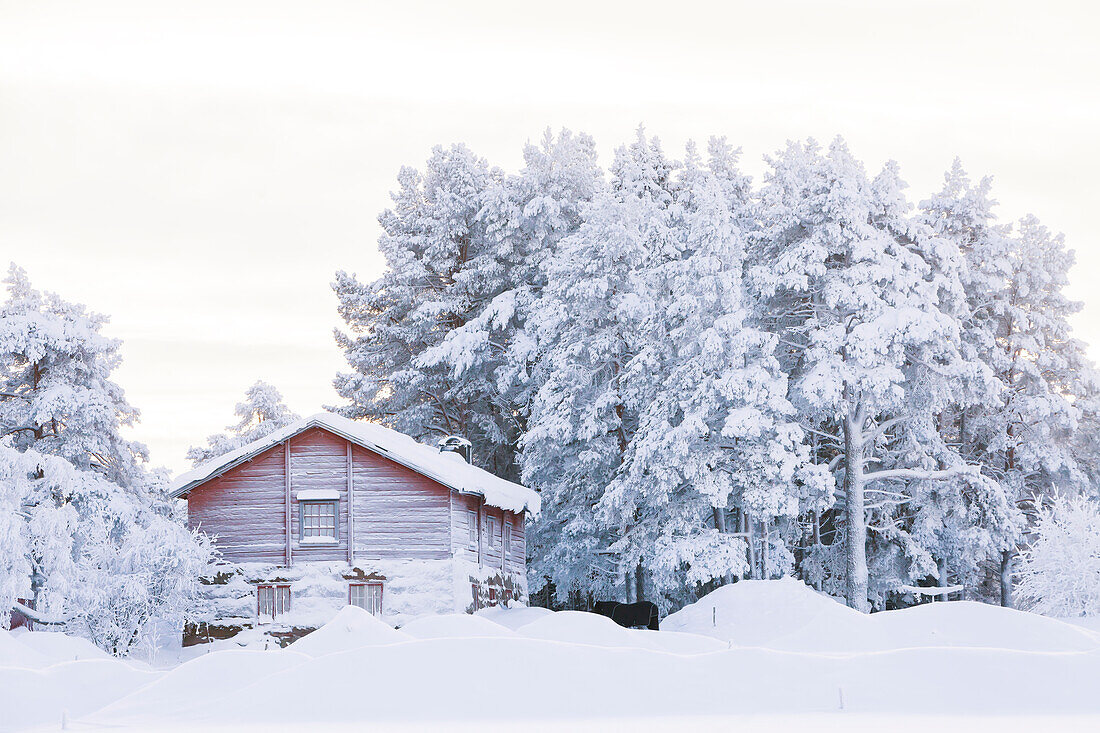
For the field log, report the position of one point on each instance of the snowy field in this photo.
(765, 655)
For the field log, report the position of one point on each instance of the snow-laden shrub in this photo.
(1059, 572)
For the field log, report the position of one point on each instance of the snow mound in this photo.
(787, 615)
(57, 647)
(761, 612)
(580, 627)
(351, 628)
(454, 626)
(40, 697)
(972, 625)
(14, 653)
(194, 683)
(513, 617)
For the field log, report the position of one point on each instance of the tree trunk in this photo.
(941, 567)
(639, 581)
(1006, 578)
(856, 566)
(746, 527)
(629, 577)
(720, 525)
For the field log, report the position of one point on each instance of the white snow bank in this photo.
(208, 677)
(578, 627)
(424, 459)
(946, 659)
(788, 615)
(548, 680)
(56, 647)
(40, 697)
(14, 653)
(513, 617)
(454, 626)
(758, 612)
(351, 628)
(1091, 623)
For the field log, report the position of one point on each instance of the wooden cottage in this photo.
(329, 511)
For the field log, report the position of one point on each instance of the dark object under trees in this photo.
(630, 615)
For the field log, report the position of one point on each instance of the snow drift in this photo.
(754, 648)
(787, 615)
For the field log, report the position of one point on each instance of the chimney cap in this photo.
(457, 444)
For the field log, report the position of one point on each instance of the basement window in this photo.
(317, 522)
(367, 596)
(272, 601)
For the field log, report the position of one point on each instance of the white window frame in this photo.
(315, 535)
(471, 520)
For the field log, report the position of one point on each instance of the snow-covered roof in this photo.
(448, 468)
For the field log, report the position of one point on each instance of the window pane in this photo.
(318, 519)
(367, 596)
(265, 605)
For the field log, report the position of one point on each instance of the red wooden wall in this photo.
(397, 512)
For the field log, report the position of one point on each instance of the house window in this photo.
(317, 521)
(272, 601)
(493, 532)
(367, 596)
(507, 536)
(471, 520)
(492, 596)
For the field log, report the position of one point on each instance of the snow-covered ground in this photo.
(767, 655)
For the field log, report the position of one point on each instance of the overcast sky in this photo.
(199, 170)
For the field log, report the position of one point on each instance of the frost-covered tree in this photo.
(56, 394)
(525, 217)
(262, 413)
(860, 295)
(1059, 572)
(718, 432)
(442, 272)
(98, 561)
(80, 500)
(1017, 322)
(590, 327)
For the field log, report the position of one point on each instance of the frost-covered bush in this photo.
(1059, 572)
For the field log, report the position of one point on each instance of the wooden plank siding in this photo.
(243, 509)
(398, 512)
(318, 460)
(490, 555)
(385, 510)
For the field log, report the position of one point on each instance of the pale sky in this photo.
(199, 170)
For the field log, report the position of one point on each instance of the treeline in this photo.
(709, 378)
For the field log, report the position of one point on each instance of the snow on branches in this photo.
(707, 379)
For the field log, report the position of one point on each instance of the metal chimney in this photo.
(457, 444)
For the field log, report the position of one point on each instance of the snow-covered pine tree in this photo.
(856, 291)
(80, 492)
(442, 272)
(56, 394)
(1018, 324)
(525, 217)
(262, 413)
(718, 432)
(590, 327)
